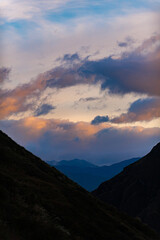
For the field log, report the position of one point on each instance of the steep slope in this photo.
(87, 175)
(38, 202)
(137, 189)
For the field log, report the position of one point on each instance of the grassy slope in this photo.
(38, 202)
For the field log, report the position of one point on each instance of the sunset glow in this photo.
(81, 79)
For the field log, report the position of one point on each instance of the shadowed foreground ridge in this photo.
(38, 202)
(137, 189)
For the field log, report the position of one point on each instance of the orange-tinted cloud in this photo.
(141, 110)
(56, 140)
(37, 126)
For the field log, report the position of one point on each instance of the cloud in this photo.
(137, 71)
(33, 128)
(16, 100)
(20, 99)
(140, 110)
(56, 139)
(122, 44)
(70, 58)
(4, 73)
(127, 42)
(27, 9)
(10, 105)
(62, 77)
(44, 109)
(99, 119)
(88, 99)
(39, 41)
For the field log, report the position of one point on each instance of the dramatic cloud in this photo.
(44, 109)
(137, 72)
(99, 119)
(16, 100)
(4, 73)
(56, 140)
(140, 110)
(62, 77)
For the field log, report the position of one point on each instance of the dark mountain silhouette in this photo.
(37, 202)
(137, 189)
(88, 175)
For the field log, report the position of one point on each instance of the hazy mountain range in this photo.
(88, 175)
(37, 202)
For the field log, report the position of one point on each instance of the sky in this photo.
(81, 79)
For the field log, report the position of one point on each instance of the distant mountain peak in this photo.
(72, 163)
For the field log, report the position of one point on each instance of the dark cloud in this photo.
(70, 58)
(137, 71)
(127, 42)
(140, 110)
(125, 75)
(122, 44)
(65, 76)
(4, 73)
(89, 99)
(99, 119)
(44, 109)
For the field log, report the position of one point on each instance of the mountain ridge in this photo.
(74, 163)
(136, 190)
(86, 174)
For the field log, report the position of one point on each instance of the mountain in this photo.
(75, 163)
(88, 175)
(37, 202)
(136, 190)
